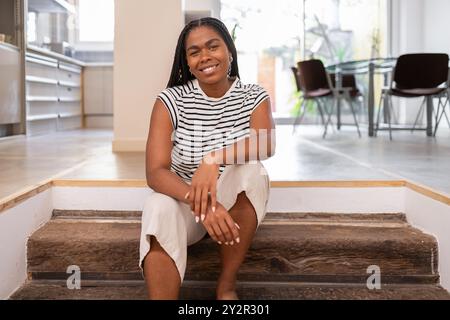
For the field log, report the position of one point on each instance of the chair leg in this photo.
(438, 109)
(377, 126)
(333, 130)
(390, 111)
(328, 120)
(439, 117)
(419, 114)
(319, 106)
(349, 100)
(446, 117)
(444, 111)
(299, 117)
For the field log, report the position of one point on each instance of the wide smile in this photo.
(209, 69)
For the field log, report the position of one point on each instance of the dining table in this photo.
(372, 67)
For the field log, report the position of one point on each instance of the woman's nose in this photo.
(204, 55)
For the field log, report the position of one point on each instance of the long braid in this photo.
(180, 70)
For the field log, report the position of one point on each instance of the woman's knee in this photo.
(253, 168)
(160, 204)
(253, 174)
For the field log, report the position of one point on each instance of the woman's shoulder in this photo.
(250, 88)
(179, 91)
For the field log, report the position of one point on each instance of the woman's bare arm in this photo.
(158, 156)
(259, 146)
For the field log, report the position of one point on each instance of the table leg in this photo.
(338, 80)
(429, 116)
(386, 101)
(371, 99)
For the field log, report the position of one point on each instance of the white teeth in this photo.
(209, 69)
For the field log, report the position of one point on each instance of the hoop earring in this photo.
(229, 67)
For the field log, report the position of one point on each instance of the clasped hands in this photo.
(205, 207)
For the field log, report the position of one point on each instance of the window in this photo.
(343, 30)
(96, 20)
(271, 37)
(31, 26)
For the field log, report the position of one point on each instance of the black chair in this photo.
(446, 98)
(415, 75)
(304, 99)
(317, 85)
(349, 81)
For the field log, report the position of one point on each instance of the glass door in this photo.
(272, 36)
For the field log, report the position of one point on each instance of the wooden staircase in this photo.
(293, 256)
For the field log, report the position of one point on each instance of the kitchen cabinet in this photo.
(53, 94)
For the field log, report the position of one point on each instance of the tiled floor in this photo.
(303, 156)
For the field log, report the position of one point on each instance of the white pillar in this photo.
(435, 22)
(146, 33)
(407, 37)
(407, 26)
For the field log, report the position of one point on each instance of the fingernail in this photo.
(197, 219)
(219, 242)
(226, 243)
(203, 217)
(237, 226)
(238, 240)
(187, 195)
(232, 242)
(192, 212)
(213, 209)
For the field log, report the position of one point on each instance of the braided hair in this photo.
(180, 70)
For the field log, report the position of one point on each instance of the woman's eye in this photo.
(194, 53)
(213, 48)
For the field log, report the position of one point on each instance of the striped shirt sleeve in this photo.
(168, 99)
(260, 95)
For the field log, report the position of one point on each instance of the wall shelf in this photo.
(41, 99)
(41, 80)
(70, 115)
(69, 84)
(49, 116)
(62, 99)
(47, 63)
(66, 68)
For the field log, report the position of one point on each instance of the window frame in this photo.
(89, 45)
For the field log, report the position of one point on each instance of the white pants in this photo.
(173, 225)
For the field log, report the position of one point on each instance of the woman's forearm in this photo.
(167, 182)
(259, 146)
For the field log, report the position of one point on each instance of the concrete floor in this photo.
(303, 156)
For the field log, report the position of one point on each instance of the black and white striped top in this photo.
(203, 124)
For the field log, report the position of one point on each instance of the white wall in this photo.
(418, 26)
(436, 26)
(211, 6)
(16, 226)
(407, 26)
(98, 96)
(146, 33)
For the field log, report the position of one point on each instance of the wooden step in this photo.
(287, 247)
(382, 218)
(195, 290)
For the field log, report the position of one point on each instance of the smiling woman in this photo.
(208, 133)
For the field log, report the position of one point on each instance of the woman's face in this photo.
(207, 55)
